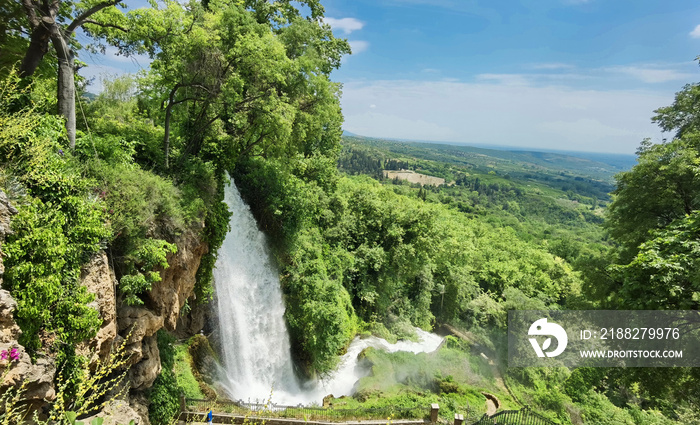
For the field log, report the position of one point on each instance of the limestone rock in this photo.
(178, 280)
(143, 373)
(138, 323)
(139, 403)
(9, 331)
(6, 213)
(204, 359)
(39, 376)
(100, 280)
(195, 320)
(118, 412)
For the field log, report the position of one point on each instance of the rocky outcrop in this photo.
(99, 280)
(119, 412)
(137, 323)
(162, 309)
(177, 281)
(197, 319)
(9, 331)
(38, 376)
(139, 326)
(6, 213)
(143, 373)
(133, 327)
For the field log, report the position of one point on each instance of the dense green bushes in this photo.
(355, 253)
(165, 393)
(57, 228)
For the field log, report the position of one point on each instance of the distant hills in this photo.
(588, 163)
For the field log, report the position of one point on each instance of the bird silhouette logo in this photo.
(542, 328)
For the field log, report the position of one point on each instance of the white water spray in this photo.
(256, 350)
(255, 343)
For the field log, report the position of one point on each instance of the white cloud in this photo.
(533, 79)
(652, 75)
(695, 33)
(551, 66)
(493, 112)
(358, 46)
(506, 79)
(347, 25)
(95, 74)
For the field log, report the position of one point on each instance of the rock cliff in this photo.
(136, 325)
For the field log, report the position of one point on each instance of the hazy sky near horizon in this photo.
(580, 75)
(583, 75)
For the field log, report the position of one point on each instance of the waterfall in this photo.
(255, 342)
(254, 337)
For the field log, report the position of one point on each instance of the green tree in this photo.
(684, 115)
(54, 24)
(664, 273)
(238, 80)
(662, 187)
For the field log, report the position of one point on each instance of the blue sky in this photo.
(559, 74)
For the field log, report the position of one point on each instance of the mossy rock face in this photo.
(204, 359)
(363, 354)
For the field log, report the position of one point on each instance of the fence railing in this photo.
(524, 416)
(328, 414)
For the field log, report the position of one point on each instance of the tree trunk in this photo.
(66, 84)
(168, 115)
(38, 46)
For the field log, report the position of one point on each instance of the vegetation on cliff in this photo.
(145, 164)
(244, 87)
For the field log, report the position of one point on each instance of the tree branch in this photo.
(103, 25)
(85, 15)
(28, 5)
(252, 145)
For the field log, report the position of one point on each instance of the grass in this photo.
(183, 373)
(452, 377)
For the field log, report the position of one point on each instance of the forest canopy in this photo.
(243, 88)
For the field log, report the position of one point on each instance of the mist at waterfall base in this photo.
(255, 343)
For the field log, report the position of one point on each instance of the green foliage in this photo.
(150, 254)
(661, 188)
(182, 368)
(165, 393)
(654, 221)
(215, 229)
(682, 116)
(663, 273)
(57, 228)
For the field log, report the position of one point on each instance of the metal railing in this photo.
(308, 413)
(524, 416)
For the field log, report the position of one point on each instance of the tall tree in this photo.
(236, 80)
(53, 23)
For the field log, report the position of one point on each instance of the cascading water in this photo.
(254, 338)
(255, 342)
